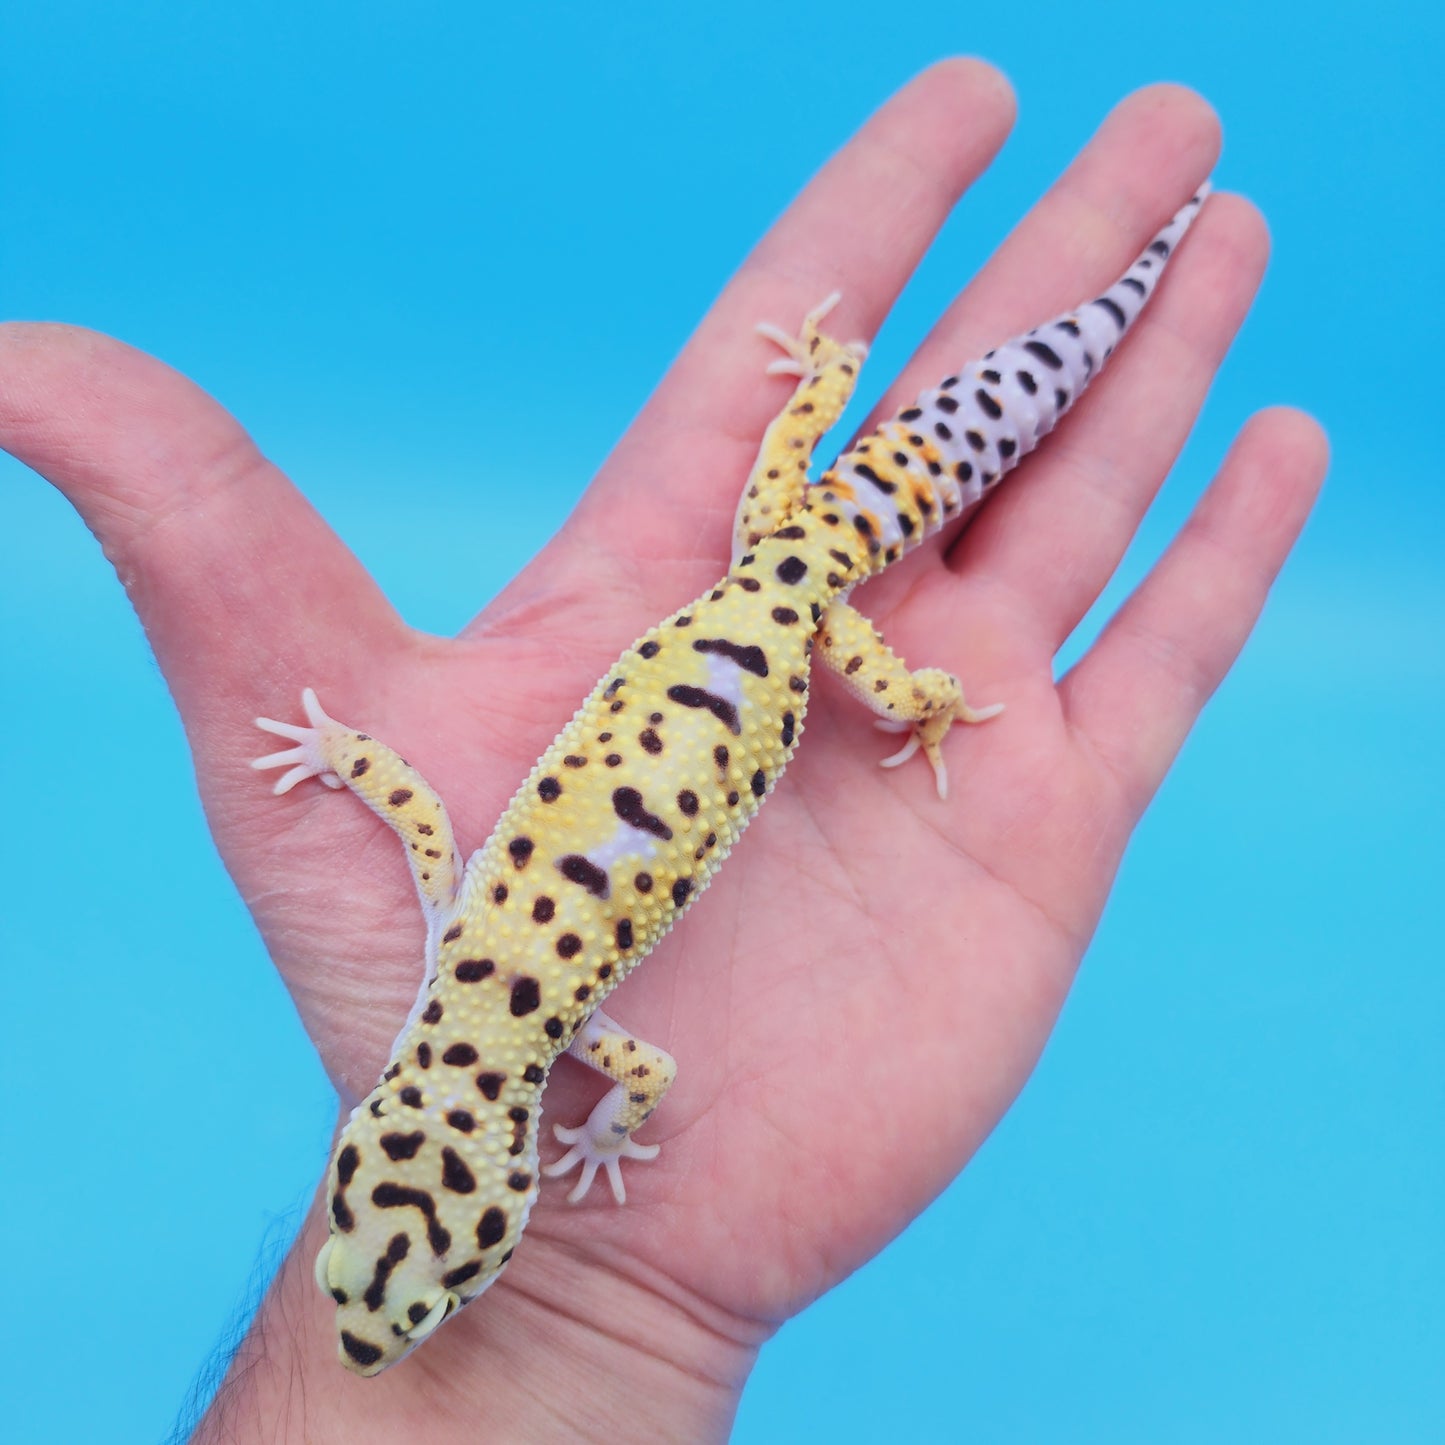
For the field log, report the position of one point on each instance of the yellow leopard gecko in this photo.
(627, 816)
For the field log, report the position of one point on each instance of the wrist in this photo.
(563, 1346)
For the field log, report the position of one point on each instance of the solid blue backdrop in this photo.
(371, 233)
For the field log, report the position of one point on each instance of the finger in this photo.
(1146, 158)
(1053, 541)
(237, 581)
(1136, 693)
(660, 510)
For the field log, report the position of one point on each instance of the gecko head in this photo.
(388, 1298)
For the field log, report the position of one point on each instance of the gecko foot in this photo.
(928, 733)
(307, 758)
(805, 353)
(592, 1156)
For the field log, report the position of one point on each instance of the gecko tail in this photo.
(938, 458)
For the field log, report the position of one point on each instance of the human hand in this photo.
(871, 979)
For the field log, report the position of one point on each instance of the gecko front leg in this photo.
(642, 1073)
(341, 757)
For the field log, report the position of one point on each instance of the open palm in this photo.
(868, 984)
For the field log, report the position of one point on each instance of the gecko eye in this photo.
(323, 1259)
(433, 1317)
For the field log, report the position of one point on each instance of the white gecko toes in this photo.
(306, 759)
(592, 1157)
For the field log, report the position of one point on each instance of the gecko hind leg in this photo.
(827, 371)
(925, 703)
(642, 1074)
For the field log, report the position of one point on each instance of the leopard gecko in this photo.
(629, 813)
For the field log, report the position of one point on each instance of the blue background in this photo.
(1217, 1209)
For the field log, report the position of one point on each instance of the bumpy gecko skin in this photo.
(628, 815)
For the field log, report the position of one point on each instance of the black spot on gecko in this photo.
(680, 890)
(360, 766)
(612, 759)
(568, 946)
(432, 1013)
(462, 1273)
(553, 1028)
(791, 570)
(643, 883)
(687, 802)
(750, 658)
(400, 796)
(724, 711)
(649, 649)
(624, 934)
(785, 616)
(396, 1251)
(583, 871)
(499, 893)
(1045, 353)
(519, 1181)
(362, 1351)
(534, 1073)
(474, 970)
(461, 1121)
(526, 996)
(491, 1085)
(789, 723)
(423, 1055)
(549, 790)
(341, 1215)
(461, 1055)
(455, 1174)
(521, 851)
(574, 760)
(1007, 446)
(411, 1097)
(988, 405)
(758, 783)
(543, 909)
(650, 741)
(1114, 310)
(491, 1227)
(398, 1196)
(452, 934)
(797, 684)
(869, 475)
(346, 1164)
(628, 805)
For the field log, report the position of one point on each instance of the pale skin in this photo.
(865, 989)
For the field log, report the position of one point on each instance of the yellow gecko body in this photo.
(629, 813)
